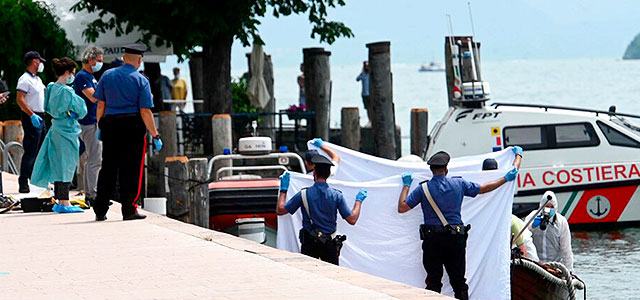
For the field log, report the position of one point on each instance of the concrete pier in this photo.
(52, 256)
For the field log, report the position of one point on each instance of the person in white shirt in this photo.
(30, 99)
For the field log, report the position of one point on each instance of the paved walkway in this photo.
(50, 256)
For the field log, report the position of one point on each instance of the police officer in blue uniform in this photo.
(124, 118)
(320, 206)
(445, 245)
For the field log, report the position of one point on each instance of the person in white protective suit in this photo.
(550, 231)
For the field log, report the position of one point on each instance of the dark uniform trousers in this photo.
(448, 250)
(33, 138)
(328, 251)
(123, 149)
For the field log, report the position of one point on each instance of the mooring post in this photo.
(198, 192)
(381, 87)
(167, 130)
(350, 128)
(222, 138)
(419, 130)
(13, 133)
(317, 86)
(177, 182)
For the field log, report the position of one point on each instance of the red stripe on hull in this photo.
(618, 199)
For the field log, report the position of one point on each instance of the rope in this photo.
(567, 277)
(160, 174)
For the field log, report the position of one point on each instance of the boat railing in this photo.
(232, 157)
(547, 107)
(249, 168)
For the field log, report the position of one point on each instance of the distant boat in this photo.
(432, 67)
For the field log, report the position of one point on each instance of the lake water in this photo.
(608, 261)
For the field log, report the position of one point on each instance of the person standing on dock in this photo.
(321, 204)
(302, 99)
(364, 79)
(124, 118)
(443, 233)
(30, 99)
(85, 86)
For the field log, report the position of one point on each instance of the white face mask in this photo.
(71, 78)
(97, 67)
(40, 67)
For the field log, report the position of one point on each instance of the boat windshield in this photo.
(634, 126)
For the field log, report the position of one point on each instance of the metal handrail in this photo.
(8, 160)
(240, 156)
(547, 107)
(249, 168)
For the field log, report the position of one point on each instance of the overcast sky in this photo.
(508, 29)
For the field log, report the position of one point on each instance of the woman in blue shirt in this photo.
(58, 157)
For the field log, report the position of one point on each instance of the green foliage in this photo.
(633, 50)
(186, 24)
(28, 25)
(241, 103)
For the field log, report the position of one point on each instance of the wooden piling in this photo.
(198, 192)
(381, 95)
(13, 133)
(167, 129)
(317, 86)
(350, 128)
(222, 138)
(178, 188)
(419, 130)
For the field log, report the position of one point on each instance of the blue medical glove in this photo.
(511, 175)
(318, 142)
(362, 194)
(407, 178)
(73, 115)
(98, 134)
(284, 181)
(36, 121)
(157, 143)
(517, 150)
(536, 221)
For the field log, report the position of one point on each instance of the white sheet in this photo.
(387, 244)
(357, 166)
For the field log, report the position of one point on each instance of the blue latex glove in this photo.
(73, 115)
(98, 134)
(36, 121)
(284, 181)
(517, 150)
(318, 142)
(157, 144)
(407, 178)
(536, 221)
(511, 175)
(362, 194)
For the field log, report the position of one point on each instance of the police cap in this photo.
(309, 154)
(440, 159)
(137, 49)
(321, 160)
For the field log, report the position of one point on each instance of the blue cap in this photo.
(226, 151)
(284, 149)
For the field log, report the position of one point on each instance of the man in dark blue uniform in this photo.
(443, 233)
(124, 117)
(321, 204)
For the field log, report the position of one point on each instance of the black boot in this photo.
(134, 216)
(23, 184)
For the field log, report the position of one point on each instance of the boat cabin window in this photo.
(617, 138)
(551, 136)
(527, 137)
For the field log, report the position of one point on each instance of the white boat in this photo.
(589, 158)
(432, 67)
